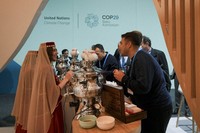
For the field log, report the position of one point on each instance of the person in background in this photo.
(23, 94)
(146, 79)
(123, 61)
(159, 56)
(45, 113)
(178, 96)
(63, 62)
(106, 62)
(124, 64)
(65, 54)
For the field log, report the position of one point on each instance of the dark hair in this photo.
(134, 36)
(145, 40)
(64, 50)
(98, 46)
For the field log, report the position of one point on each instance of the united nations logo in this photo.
(92, 20)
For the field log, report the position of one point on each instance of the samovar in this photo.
(87, 84)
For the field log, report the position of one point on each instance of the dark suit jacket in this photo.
(161, 59)
(117, 56)
(108, 65)
(146, 79)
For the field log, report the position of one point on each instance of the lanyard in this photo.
(122, 61)
(130, 74)
(104, 61)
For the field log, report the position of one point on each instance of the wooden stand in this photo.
(113, 101)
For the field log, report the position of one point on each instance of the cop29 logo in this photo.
(92, 20)
(110, 17)
(106, 20)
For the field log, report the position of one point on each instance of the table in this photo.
(120, 127)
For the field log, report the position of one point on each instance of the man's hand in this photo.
(118, 74)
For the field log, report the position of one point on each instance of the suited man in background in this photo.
(159, 56)
(123, 61)
(124, 65)
(107, 62)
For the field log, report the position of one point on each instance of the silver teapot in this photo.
(87, 87)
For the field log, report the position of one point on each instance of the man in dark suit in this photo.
(146, 80)
(65, 54)
(124, 65)
(106, 62)
(159, 56)
(123, 61)
(63, 63)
